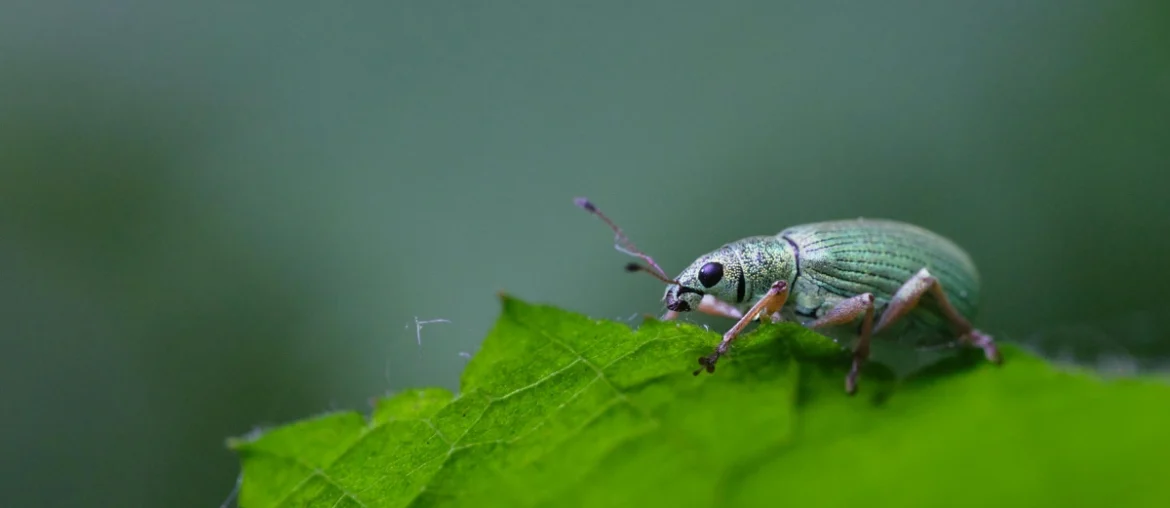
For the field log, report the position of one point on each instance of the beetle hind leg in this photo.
(908, 297)
(983, 341)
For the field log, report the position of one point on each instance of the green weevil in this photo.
(828, 274)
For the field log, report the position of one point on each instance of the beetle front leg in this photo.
(715, 307)
(771, 303)
(844, 312)
(911, 292)
(712, 306)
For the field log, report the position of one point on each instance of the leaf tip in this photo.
(508, 301)
(237, 443)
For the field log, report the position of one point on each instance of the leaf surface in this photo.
(561, 410)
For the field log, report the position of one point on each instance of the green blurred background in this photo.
(217, 216)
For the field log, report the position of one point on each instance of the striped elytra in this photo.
(854, 256)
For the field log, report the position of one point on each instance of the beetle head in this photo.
(718, 274)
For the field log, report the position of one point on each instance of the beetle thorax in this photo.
(765, 260)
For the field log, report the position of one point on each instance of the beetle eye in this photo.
(710, 274)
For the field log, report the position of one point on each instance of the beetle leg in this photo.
(911, 292)
(710, 305)
(771, 303)
(844, 312)
(715, 307)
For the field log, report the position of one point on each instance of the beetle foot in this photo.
(708, 363)
(987, 344)
(851, 377)
(851, 383)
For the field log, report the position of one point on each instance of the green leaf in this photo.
(561, 410)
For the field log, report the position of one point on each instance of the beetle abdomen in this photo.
(850, 257)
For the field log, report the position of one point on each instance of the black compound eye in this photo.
(710, 274)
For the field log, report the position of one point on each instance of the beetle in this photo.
(826, 274)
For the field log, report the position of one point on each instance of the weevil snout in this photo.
(678, 298)
(678, 305)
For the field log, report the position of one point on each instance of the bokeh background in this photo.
(217, 216)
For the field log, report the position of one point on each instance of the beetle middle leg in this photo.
(771, 303)
(844, 312)
(911, 292)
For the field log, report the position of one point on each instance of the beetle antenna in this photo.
(623, 244)
(635, 267)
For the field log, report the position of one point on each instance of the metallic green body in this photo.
(826, 262)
